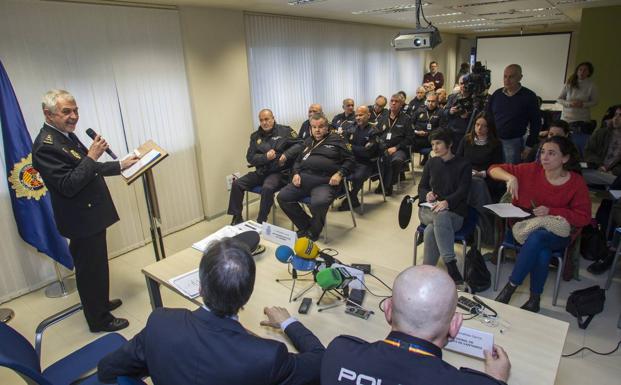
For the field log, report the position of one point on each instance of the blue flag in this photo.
(31, 203)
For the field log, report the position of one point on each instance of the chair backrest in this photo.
(17, 353)
(471, 221)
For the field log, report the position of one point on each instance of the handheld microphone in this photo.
(92, 134)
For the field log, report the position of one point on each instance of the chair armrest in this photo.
(51, 320)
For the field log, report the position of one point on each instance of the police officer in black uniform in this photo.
(345, 118)
(305, 130)
(378, 110)
(422, 314)
(395, 136)
(317, 173)
(273, 148)
(83, 207)
(362, 137)
(425, 120)
(418, 100)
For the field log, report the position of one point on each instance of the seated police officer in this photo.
(422, 316)
(346, 117)
(425, 120)
(395, 135)
(418, 100)
(362, 138)
(317, 173)
(305, 131)
(378, 109)
(209, 344)
(273, 148)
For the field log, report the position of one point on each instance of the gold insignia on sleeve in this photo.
(75, 154)
(348, 146)
(294, 134)
(48, 139)
(259, 141)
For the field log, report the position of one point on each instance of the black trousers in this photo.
(391, 167)
(321, 194)
(90, 257)
(361, 173)
(270, 184)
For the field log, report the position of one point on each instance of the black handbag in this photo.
(477, 276)
(586, 303)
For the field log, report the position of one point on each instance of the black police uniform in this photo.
(415, 104)
(375, 116)
(342, 120)
(394, 133)
(454, 122)
(399, 359)
(305, 130)
(83, 209)
(316, 164)
(365, 147)
(424, 121)
(268, 174)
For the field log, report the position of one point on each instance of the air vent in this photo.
(394, 9)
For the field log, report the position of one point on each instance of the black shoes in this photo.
(506, 293)
(237, 219)
(114, 304)
(345, 206)
(453, 271)
(112, 326)
(533, 303)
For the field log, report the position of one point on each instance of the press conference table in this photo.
(533, 342)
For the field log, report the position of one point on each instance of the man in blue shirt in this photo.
(515, 109)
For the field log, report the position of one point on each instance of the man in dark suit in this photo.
(209, 345)
(82, 204)
(422, 314)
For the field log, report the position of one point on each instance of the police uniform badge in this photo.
(294, 134)
(259, 141)
(48, 139)
(26, 181)
(75, 154)
(421, 116)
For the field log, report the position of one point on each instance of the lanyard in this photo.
(391, 125)
(412, 348)
(314, 147)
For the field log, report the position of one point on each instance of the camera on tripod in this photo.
(476, 85)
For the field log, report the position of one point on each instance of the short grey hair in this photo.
(399, 97)
(322, 117)
(51, 98)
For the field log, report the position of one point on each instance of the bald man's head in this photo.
(363, 115)
(424, 299)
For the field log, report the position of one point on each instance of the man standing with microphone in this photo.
(83, 207)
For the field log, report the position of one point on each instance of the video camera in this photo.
(476, 85)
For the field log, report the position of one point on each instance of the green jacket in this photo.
(597, 147)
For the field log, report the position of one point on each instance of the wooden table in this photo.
(534, 342)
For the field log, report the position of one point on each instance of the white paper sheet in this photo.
(507, 210)
(471, 342)
(187, 283)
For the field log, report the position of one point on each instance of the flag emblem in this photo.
(26, 181)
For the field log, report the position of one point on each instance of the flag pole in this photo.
(62, 287)
(6, 315)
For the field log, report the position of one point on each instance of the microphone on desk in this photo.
(92, 134)
(306, 248)
(285, 254)
(333, 278)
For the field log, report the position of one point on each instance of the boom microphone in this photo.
(92, 134)
(405, 210)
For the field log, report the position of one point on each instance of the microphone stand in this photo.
(294, 278)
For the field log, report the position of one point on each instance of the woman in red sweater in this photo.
(549, 188)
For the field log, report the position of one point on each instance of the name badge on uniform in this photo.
(388, 136)
(75, 154)
(428, 126)
(305, 156)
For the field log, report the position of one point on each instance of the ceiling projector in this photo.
(420, 38)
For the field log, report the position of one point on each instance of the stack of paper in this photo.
(187, 283)
(143, 162)
(507, 210)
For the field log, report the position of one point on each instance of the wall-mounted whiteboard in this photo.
(543, 59)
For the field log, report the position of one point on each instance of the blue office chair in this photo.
(258, 190)
(559, 255)
(467, 229)
(17, 354)
(343, 194)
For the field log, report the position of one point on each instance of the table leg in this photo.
(154, 293)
